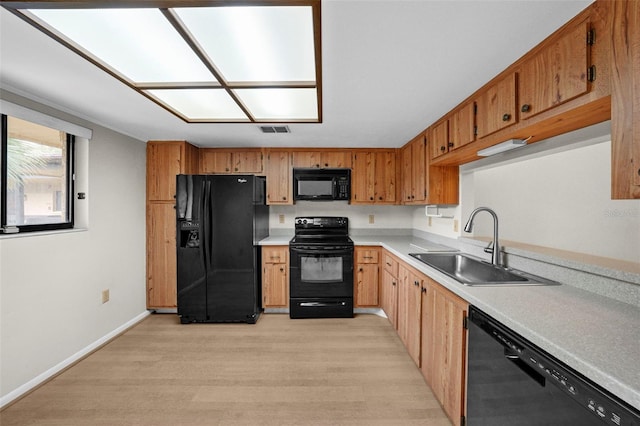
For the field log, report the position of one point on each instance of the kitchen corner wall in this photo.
(51, 285)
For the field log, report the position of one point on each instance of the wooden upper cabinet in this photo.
(244, 161)
(414, 171)
(556, 74)
(165, 160)
(496, 106)
(625, 108)
(462, 126)
(215, 161)
(439, 138)
(278, 172)
(322, 159)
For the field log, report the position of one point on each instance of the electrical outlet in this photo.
(371, 218)
(430, 221)
(105, 296)
(455, 225)
(281, 218)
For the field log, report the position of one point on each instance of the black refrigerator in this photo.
(220, 220)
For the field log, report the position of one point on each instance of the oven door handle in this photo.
(316, 252)
(321, 304)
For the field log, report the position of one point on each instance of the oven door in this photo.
(320, 272)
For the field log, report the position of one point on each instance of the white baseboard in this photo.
(41, 378)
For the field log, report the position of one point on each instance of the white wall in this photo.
(51, 285)
(384, 217)
(560, 200)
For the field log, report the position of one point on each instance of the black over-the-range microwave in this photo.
(321, 184)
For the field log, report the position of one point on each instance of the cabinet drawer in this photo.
(390, 264)
(367, 256)
(275, 254)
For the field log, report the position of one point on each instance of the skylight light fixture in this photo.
(502, 147)
(209, 62)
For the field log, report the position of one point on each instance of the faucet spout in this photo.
(495, 254)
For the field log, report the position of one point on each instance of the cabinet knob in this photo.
(393, 283)
(284, 198)
(326, 164)
(450, 144)
(424, 290)
(371, 198)
(416, 283)
(281, 269)
(525, 108)
(506, 117)
(443, 148)
(380, 198)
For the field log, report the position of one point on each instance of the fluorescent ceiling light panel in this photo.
(272, 43)
(208, 62)
(502, 147)
(139, 44)
(201, 104)
(280, 104)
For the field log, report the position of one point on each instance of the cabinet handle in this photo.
(416, 283)
(424, 290)
(525, 108)
(388, 264)
(367, 257)
(506, 117)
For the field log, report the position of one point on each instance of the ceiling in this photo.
(390, 68)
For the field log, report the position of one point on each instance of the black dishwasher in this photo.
(510, 381)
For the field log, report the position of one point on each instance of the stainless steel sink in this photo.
(471, 271)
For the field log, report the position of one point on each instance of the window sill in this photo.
(41, 233)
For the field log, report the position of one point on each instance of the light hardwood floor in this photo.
(276, 372)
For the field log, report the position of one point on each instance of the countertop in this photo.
(597, 336)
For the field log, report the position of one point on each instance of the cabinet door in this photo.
(247, 162)
(497, 106)
(275, 285)
(363, 178)
(385, 190)
(556, 74)
(444, 347)
(407, 174)
(164, 162)
(161, 255)
(307, 159)
(278, 172)
(275, 276)
(336, 159)
(440, 138)
(215, 161)
(462, 126)
(367, 283)
(419, 170)
(409, 309)
(389, 297)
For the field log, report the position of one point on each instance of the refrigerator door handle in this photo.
(206, 219)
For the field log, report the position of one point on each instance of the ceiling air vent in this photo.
(275, 129)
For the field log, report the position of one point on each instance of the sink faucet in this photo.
(495, 252)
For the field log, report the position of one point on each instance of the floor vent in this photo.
(275, 129)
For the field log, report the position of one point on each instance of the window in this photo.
(37, 177)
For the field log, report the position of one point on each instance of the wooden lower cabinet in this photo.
(275, 276)
(161, 255)
(409, 310)
(366, 287)
(389, 288)
(443, 347)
